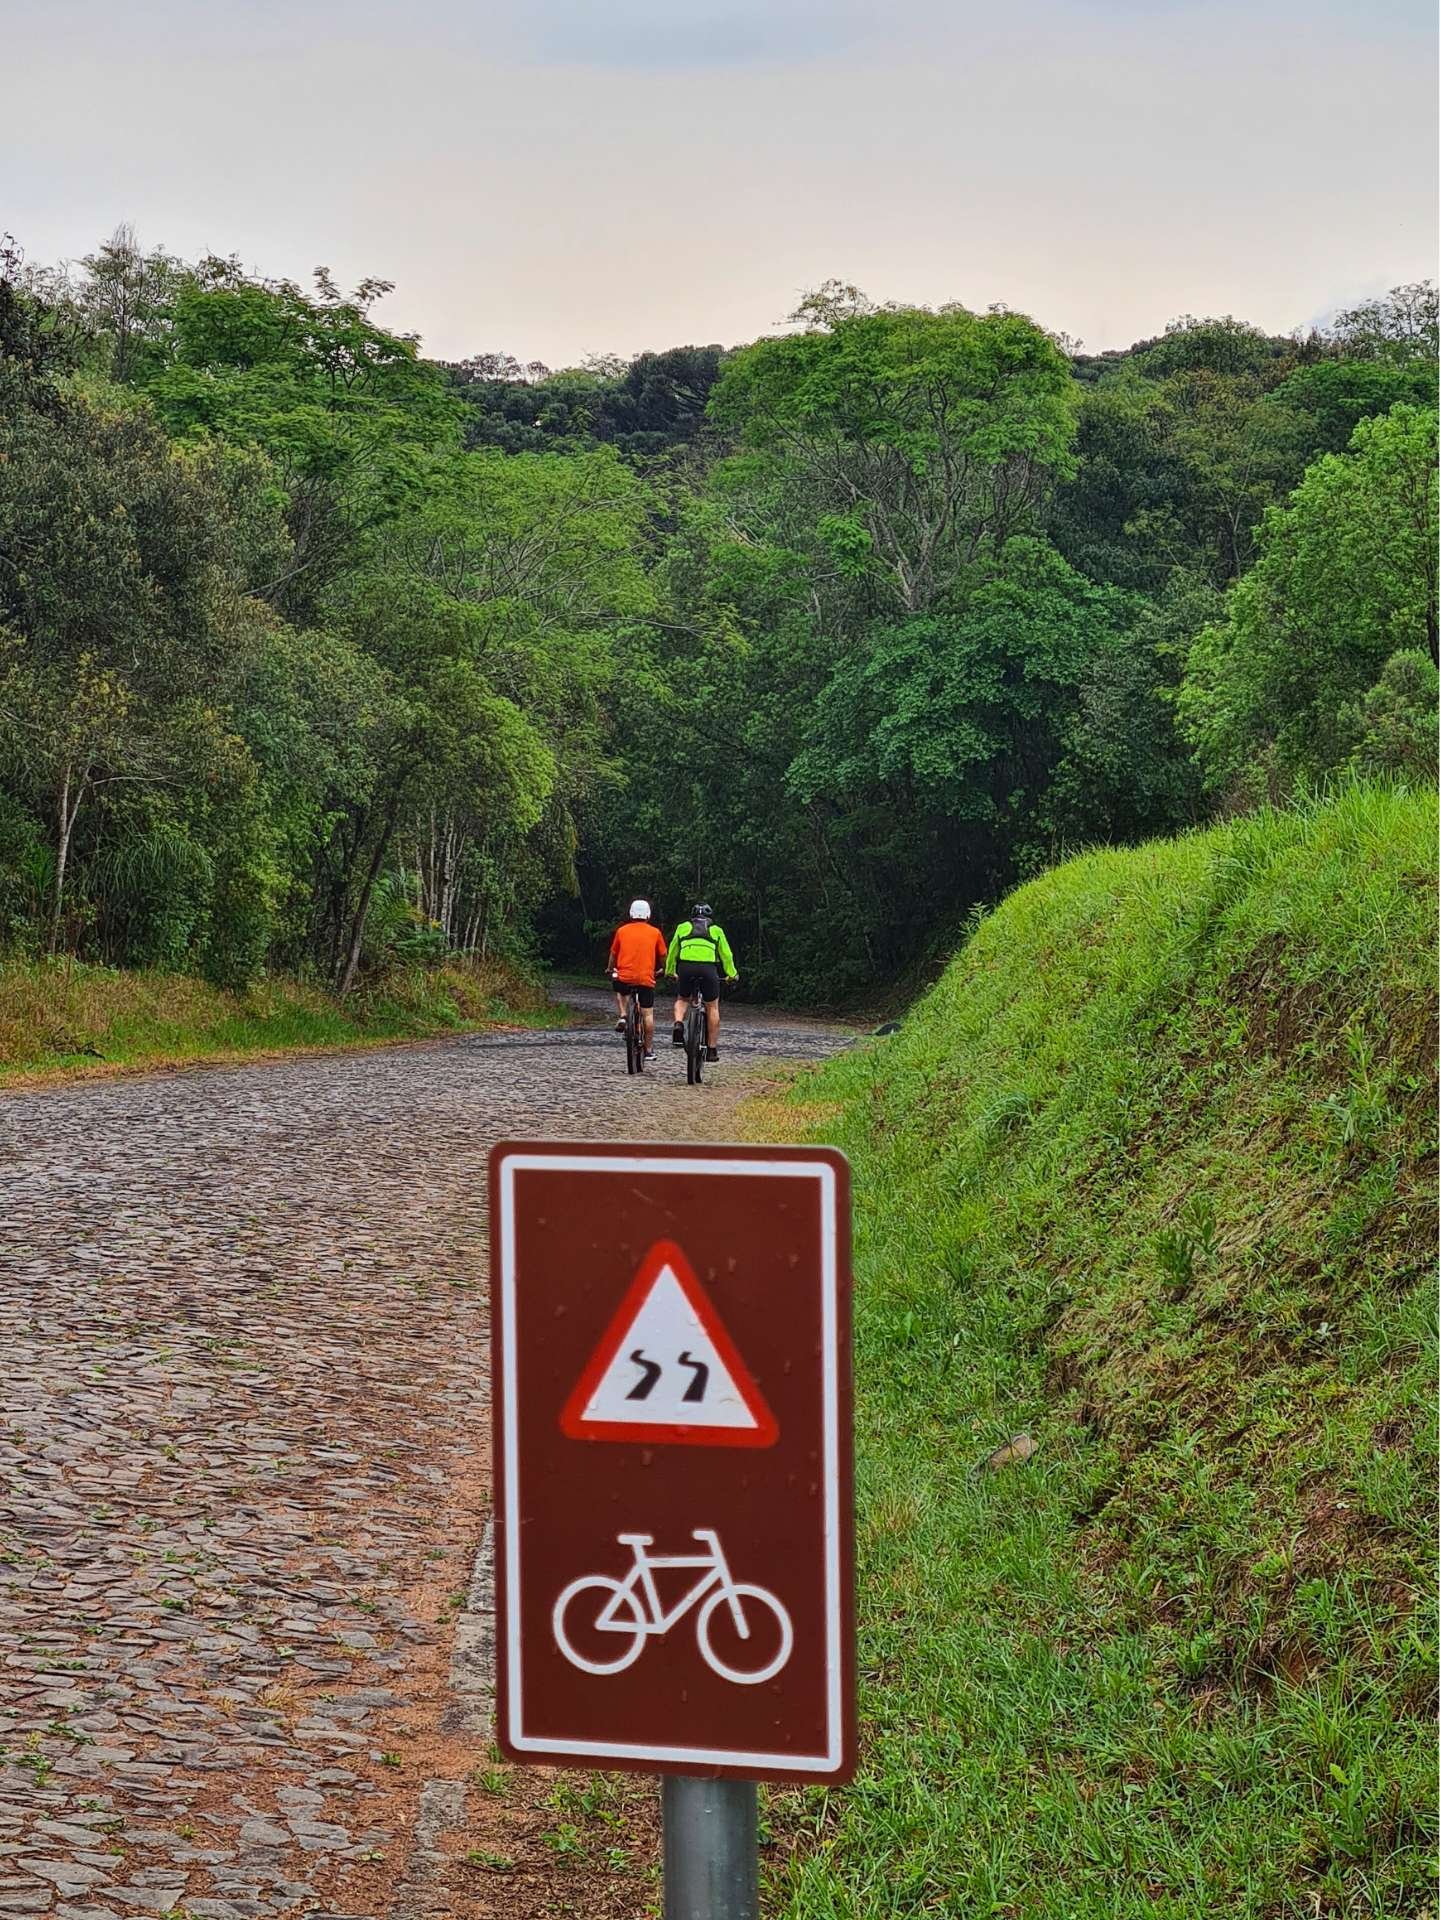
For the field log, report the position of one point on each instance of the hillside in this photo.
(1149, 1178)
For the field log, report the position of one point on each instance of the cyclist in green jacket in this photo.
(698, 951)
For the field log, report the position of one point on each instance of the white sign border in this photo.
(523, 1160)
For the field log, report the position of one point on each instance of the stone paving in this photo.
(243, 1464)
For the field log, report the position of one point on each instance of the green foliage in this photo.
(122, 611)
(645, 410)
(957, 707)
(26, 874)
(1125, 772)
(1402, 326)
(1219, 347)
(1182, 445)
(867, 613)
(156, 884)
(1147, 1178)
(265, 628)
(933, 434)
(1394, 725)
(345, 411)
(850, 628)
(1185, 441)
(876, 634)
(1346, 578)
(1332, 397)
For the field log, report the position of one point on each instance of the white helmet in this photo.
(639, 909)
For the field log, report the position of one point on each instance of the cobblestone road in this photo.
(243, 1473)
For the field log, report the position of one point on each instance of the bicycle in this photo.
(633, 1609)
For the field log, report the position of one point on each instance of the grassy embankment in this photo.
(62, 1020)
(1149, 1176)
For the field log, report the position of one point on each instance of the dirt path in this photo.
(243, 1487)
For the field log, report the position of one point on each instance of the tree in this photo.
(315, 655)
(1226, 346)
(920, 440)
(126, 299)
(1345, 579)
(1181, 449)
(1401, 326)
(1126, 772)
(36, 340)
(345, 411)
(489, 612)
(644, 409)
(1330, 398)
(827, 305)
(931, 752)
(67, 726)
(116, 559)
(441, 729)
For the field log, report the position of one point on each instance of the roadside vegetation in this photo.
(68, 1020)
(1146, 1368)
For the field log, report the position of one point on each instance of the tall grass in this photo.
(1148, 1176)
(60, 1018)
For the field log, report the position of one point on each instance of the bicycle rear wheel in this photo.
(634, 1036)
(695, 1045)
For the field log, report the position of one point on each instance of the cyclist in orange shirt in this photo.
(635, 953)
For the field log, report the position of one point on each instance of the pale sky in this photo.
(557, 177)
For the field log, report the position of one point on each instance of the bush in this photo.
(1395, 724)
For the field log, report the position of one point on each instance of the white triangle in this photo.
(666, 1326)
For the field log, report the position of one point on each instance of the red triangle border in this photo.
(765, 1432)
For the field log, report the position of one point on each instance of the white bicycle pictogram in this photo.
(631, 1607)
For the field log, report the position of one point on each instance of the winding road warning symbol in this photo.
(666, 1371)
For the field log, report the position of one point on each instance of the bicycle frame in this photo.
(642, 1575)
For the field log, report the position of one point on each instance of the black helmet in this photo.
(702, 912)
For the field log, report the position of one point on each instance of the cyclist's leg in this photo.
(678, 1036)
(712, 1006)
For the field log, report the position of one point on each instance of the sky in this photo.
(554, 178)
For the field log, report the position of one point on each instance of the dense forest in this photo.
(317, 656)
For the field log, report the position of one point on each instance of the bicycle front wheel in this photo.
(579, 1634)
(768, 1635)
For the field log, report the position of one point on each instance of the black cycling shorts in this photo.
(645, 995)
(690, 974)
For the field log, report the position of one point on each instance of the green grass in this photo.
(62, 1019)
(1149, 1176)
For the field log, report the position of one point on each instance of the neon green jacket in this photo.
(685, 944)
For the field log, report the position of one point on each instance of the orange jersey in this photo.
(636, 951)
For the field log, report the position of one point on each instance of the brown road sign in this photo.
(672, 1455)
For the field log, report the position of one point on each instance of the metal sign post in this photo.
(711, 1852)
(673, 1484)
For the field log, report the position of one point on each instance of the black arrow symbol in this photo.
(696, 1388)
(650, 1371)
